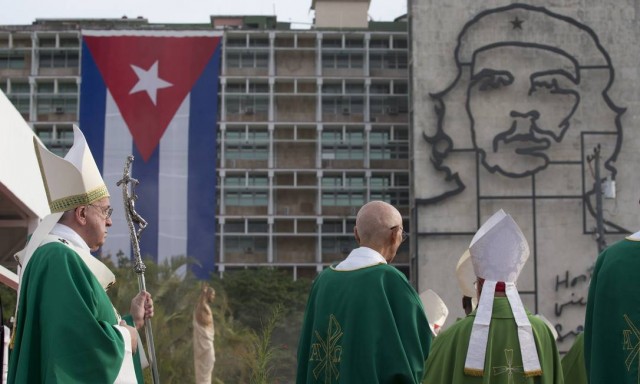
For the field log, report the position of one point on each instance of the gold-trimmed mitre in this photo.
(71, 181)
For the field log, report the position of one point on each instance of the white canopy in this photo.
(23, 201)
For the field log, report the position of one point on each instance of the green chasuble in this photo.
(64, 331)
(573, 363)
(612, 321)
(363, 326)
(503, 361)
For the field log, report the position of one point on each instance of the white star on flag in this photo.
(149, 81)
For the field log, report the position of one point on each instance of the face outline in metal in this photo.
(537, 94)
(571, 77)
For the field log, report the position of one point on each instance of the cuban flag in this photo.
(154, 95)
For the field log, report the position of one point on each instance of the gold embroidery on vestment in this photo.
(327, 352)
(509, 369)
(632, 348)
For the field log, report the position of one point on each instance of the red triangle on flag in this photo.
(123, 62)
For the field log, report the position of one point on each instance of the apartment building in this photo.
(312, 124)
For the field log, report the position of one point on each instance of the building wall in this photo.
(341, 14)
(308, 134)
(544, 192)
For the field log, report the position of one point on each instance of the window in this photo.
(354, 42)
(391, 187)
(352, 88)
(388, 60)
(45, 87)
(332, 42)
(246, 244)
(355, 182)
(234, 226)
(397, 198)
(332, 226)
(258, 226)
(236, 42)
(389, 143)
(400, 43)
(18, 87)
(59, 59)
(47, 42)
(341, 244)
(236, 88)
(388, 105)
(342, 144)
(343, 198)
(246, 152)
(12, 61)
(343, 105)
(400, 88)
(258, 181)
(69, 42)
(246, 104)
(241, 181)
(246, 198)
(329, 88)
(258, 87)
(338, 182)
(259, 42)
(380, 181)
(58, 104)
(247, 59)
(21, 102)
(68, 87)
(329, 181)
(380, 43)
(380, 88)
(334, 60)
(247, 144)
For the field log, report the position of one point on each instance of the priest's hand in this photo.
(141, 308)
(134, 335)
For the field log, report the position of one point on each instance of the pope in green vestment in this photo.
(364, 325)
(573, 363)
(612, 321)
(503, 361)
(65, 328)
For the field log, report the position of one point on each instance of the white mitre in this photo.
(435, 309)
(498, 251)
(466, 276)
(69, 182)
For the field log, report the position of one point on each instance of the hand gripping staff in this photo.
(129, 197)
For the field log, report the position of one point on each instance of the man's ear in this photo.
(80, 214)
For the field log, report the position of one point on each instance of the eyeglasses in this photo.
(106, 211)
(405, 235)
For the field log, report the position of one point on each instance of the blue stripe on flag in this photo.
(93, 96)
(201, 225)
(147, 173)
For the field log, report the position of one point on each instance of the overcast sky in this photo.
(14, 12)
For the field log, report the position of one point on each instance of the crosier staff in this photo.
(129, 197)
